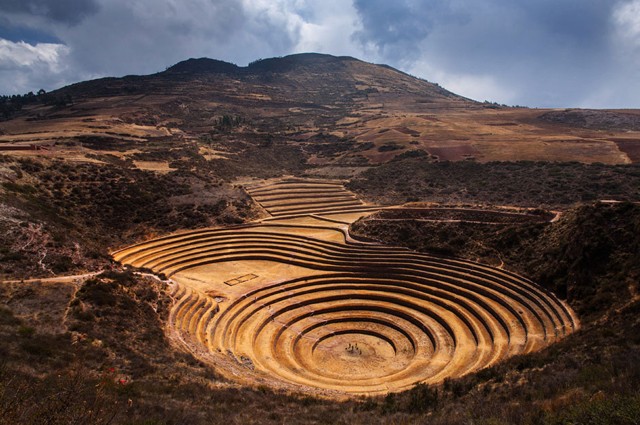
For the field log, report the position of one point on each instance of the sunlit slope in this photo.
(297, 302)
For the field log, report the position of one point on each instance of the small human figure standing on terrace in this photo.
(353, 349)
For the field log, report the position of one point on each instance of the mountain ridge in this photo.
(375, 111)
(277, 63)
(308, 66)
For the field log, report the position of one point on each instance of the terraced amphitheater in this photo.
(295, 302)
(295, 197)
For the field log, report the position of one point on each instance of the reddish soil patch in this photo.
(630, 147)
(453, 153)
(376, 157)
(408, 131)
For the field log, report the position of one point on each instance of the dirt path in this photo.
(55, 279)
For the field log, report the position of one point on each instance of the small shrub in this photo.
(26, 331)
(421, 398)
(98, 293)
(7, 317)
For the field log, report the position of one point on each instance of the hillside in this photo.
(338, 113)
(101, 343)
(314, 239)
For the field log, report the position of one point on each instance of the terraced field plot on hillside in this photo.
(295, 302)
(294, 197)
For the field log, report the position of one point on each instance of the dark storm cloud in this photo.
(148, 35)
(581, 20)
(399, 24)
(405, 23)
(120, 37)
(529, 52)
(558, 47)
(64, 11)
(12, 32)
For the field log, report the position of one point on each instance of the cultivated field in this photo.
(293, 301)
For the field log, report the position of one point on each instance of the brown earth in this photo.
(300, 99)
(128, 160)
(295, 303)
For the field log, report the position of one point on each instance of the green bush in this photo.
(26, 331)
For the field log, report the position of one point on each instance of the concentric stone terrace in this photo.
(300, 197)
(297, 303)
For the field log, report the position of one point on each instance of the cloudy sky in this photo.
(542, 53)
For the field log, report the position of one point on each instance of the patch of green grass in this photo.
(600, 410)
(26, 331)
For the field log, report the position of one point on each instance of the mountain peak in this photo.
(277, 64)
(203, 65)
(286, 63)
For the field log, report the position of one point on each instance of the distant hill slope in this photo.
(336, 111)
(294, 76)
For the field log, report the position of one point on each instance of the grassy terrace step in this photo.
(273, 349)
(292, 195)
(306, 201)
(177, 291)
(177, 310)
(294, 181)
(213, 240)
(324, 210)
(297, 180)
(190, 319)
(314, 207)
(389, 257)
(125, 255)
(294, 186)
(306, 257)
(183, 313)
(192, 313)
(406, 284)
(327, 212)
(328, 296)
(297, 196)
(205, 321)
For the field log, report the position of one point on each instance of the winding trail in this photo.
(56, 279)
